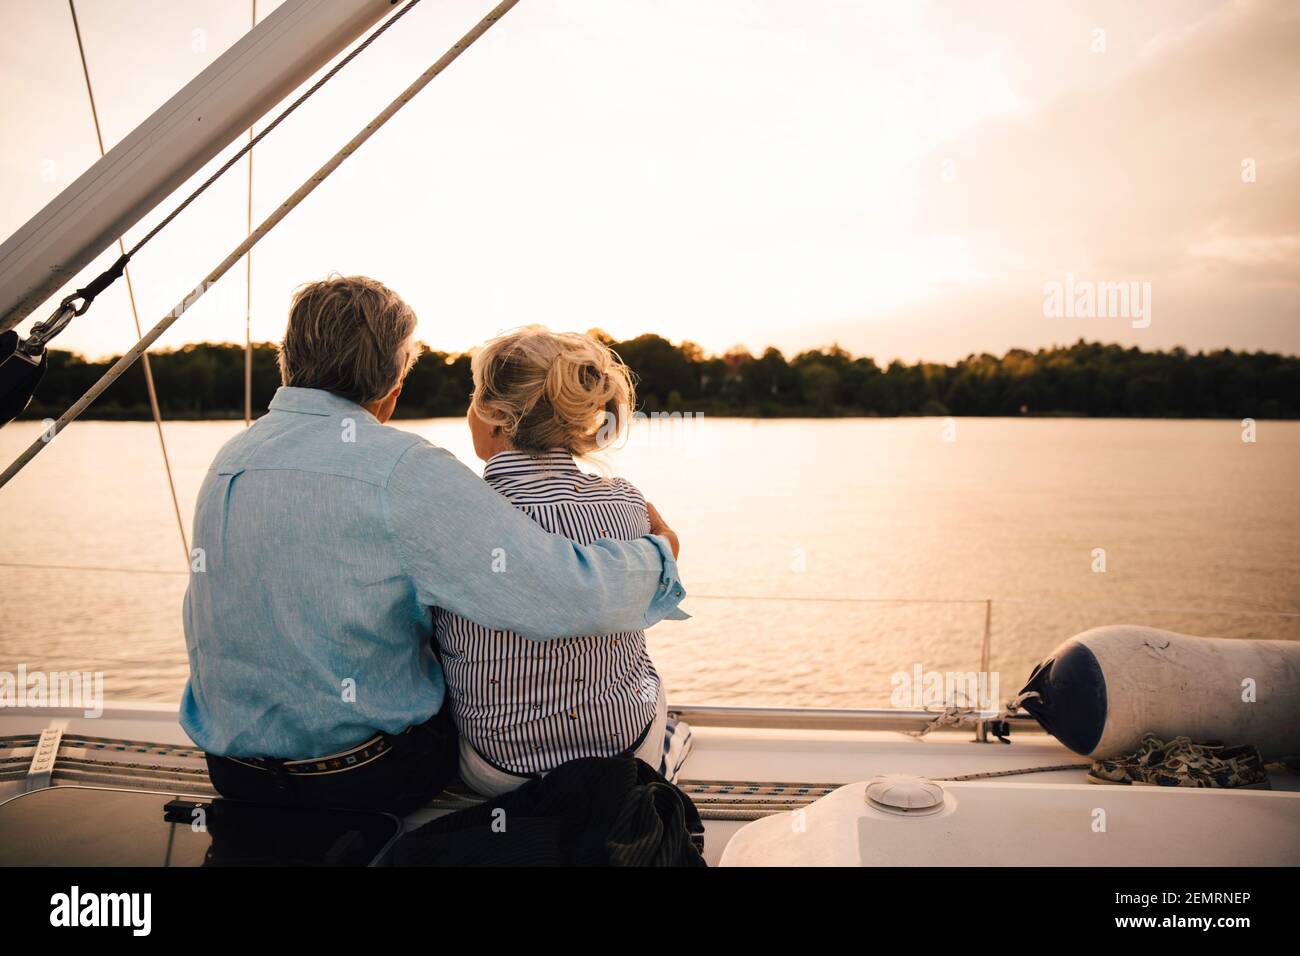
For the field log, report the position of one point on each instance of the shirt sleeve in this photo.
(468, 550)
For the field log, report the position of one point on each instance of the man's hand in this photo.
(660, 527)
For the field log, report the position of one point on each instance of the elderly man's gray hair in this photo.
(349, 335)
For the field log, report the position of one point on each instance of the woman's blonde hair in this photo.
(549, 390)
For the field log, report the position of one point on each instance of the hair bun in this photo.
(552, 389)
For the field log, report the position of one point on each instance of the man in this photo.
(322, 539)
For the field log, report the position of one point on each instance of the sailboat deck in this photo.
(735, 774)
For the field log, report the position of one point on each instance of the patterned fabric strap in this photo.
(358, 756)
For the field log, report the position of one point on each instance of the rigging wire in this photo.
(57, 322)
(301, 193)
(743, 598)
(248, 279)
(253, 141)
(135, 312)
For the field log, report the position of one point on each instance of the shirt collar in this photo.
(509, 464)
(315, 401)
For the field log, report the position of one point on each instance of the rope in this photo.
(135, 312)
(108, 743)
(794, 796)
(133, 746)
(55, 324)
(707, 794)
(1011, 773)
(127, 360)
(127, 767)
(253, 141)
(969, 716)
(87, 567)
(739, 788)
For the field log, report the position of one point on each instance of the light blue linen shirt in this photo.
(322, 540)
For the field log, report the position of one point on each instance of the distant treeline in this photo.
(206, 381)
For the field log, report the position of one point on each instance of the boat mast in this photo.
(208, 114)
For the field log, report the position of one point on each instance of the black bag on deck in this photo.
(597, 811)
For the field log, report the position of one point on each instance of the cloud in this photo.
(1142, 176)
(1132, 175)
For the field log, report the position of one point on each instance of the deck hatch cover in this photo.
(904, 794)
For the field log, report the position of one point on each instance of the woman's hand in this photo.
(660, 527)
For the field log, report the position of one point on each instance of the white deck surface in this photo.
(1020, 824)
(834, 757)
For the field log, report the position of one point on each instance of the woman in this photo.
(542, 399)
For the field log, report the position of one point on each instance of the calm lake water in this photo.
(820, 556)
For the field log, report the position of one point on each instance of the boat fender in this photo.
(1102, 690)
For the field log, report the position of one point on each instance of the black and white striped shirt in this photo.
(529, 706)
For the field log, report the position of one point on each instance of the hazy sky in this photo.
(901, 178)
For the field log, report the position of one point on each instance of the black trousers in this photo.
(420, 762)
